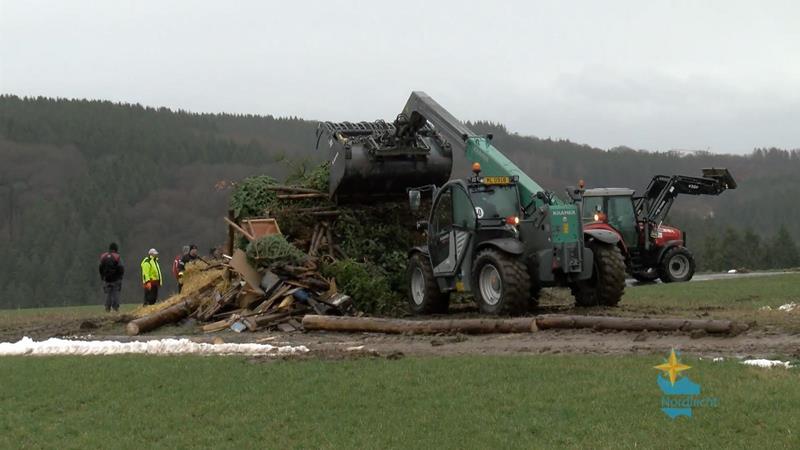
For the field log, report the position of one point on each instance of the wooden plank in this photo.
(287, 302)
(249, 274)
(259, 228)
(301, 196)
(239, 229)
(279, 294)
(295, 189)
(216, 326)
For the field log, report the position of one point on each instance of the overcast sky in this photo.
(723, 75)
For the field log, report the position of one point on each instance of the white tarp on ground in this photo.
(54, 346)
(767, 363)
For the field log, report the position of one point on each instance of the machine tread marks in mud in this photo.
(424, 294)
(607, 284)
(677, 265)
(502, 283)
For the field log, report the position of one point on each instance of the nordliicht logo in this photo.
(679, 393)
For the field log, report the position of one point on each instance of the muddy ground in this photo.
(758, 342)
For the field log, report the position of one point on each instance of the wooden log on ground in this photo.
(301, 196)
(171, 314)
(401, 326)
(516, 325)
(636, 324)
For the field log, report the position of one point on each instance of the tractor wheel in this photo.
(536, 289)
(677, 265)
(607, 283)
(647, 276)
(533, 296)
(424, 296)
(501, 283)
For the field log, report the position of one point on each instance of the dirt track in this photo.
(758, 343)
(762, 341)
(755, 344)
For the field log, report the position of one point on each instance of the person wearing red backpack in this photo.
(111, 273)
(177, 267)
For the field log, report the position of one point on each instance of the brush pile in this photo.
(292, 252)
(271, 291)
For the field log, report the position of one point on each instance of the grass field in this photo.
(737, 299)
(531, 401)
(478, 402)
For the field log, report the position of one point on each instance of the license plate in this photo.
(496, 180)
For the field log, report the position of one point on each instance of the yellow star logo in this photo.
(672, 367)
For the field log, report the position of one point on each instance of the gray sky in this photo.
(718, 75)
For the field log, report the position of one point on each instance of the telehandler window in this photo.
(494, 202)
(443, 214)
(463, 209)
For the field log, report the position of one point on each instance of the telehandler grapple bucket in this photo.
(371, 161)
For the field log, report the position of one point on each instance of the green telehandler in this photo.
(496, 234)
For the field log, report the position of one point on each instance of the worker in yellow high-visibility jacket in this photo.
(151, 277)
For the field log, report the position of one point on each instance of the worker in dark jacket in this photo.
(186, 259)
(111, 273)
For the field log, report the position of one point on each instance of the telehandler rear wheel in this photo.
(424, 296)
(500, 283)
(608, 278)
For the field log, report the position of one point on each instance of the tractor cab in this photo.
(613, 207)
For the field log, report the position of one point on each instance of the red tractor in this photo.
(652, 250)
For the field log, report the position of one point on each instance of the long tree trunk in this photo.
(516, 325)
(400, 326)
(167, 315)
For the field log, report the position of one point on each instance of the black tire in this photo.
(513, 286)
(648, 276)
(426, 298)
(607, 284)
(677, 265)
(536, 288)
(533, 296)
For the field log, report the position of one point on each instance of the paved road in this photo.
(717, 276)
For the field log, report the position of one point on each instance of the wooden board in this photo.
(261, 227)
(249, 274)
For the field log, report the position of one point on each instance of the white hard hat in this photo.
(152, 252)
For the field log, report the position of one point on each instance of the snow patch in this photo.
(789, 307)
(55, 346)
(767, 363)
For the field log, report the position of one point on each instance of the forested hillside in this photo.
(78, 174)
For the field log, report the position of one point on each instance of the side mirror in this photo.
(414, 199)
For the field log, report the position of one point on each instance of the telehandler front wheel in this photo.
(500, 283)
(424, 296)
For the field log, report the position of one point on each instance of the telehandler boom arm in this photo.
(421, 109)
